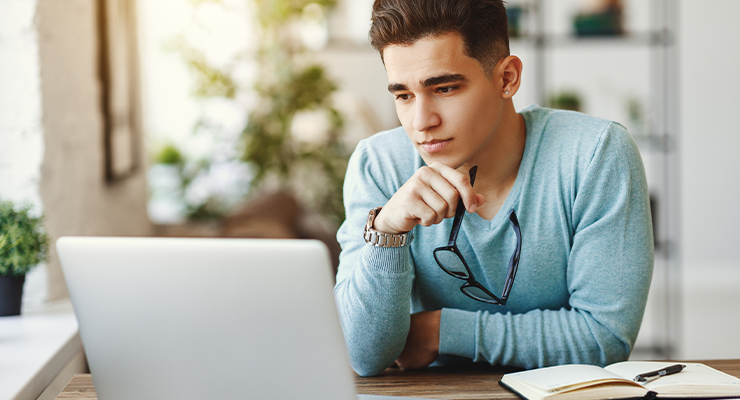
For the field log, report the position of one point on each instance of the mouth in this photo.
(434, 146)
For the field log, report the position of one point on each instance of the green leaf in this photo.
(23, 242)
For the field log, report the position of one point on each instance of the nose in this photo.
(425, 114)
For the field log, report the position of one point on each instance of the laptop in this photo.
(185, 318)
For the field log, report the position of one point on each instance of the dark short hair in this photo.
(481, 23)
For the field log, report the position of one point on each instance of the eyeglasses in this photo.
(451, 260)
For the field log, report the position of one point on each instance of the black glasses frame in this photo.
(469, 278)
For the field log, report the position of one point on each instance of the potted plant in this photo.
(23, 245)
(567, 100)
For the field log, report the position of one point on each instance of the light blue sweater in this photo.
(586, 260)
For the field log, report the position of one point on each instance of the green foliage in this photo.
(23, 242)
(565, 101)
(209, 80)
(288, 86)
(268, 144)
(277, 12)
(187, 171)
(169, 155)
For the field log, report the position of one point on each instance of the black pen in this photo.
(673, 369)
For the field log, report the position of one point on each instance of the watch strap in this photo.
(380, 239)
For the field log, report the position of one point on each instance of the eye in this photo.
(446, 89)
(402, 96)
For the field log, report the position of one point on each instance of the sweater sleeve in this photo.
(608, 276)
(373, 286)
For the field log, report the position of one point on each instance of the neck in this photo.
(498, 161)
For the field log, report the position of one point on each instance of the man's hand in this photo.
(422, 343)
(427, 198)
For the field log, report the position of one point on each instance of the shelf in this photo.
(641, 39)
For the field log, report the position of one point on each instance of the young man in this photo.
(557, 218)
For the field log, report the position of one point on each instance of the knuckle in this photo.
(429, 217)
(462, 179)
(424, 172)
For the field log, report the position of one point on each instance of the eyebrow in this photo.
(433, 81)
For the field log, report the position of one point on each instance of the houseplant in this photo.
(23, 245)
(292, 141)
(295, 93)
(567, 100)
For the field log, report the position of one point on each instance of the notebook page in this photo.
(695, 374)
(630, 369)
(564, 377)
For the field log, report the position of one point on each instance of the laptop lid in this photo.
(177, 318)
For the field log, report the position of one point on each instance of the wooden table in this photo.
(480, 382)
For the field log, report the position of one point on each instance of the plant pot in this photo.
(11, 292)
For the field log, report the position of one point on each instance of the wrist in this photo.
(436, 317)
(380, 225)
(378, 238)
(455, 335)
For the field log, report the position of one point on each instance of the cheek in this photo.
(465, 114)
(402, 112)
(486, 110)
(405, 114)
(476, 121)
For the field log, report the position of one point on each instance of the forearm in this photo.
(538, 338)
(373, 304)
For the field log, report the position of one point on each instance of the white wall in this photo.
(21, 138)
(21, 135)
(51, 128)
(710, 85)
(710, 171)
(77, 200)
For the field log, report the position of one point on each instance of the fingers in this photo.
(460, 180)
(437, 193)
(427, 198)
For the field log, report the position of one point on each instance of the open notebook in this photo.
(616, 381)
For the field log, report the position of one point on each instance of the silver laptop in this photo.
(165, 318)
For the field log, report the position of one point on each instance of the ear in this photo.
(511, 76)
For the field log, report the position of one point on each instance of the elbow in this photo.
(613, 348)
(609, 343)
(367, 369)
(367, 362)
(615, 351)
(371, 358)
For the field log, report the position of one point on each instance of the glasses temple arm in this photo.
(460, 211)
(514, 261)
(457, 222)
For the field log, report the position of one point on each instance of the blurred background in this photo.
(235, 118)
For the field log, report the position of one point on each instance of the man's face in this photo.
(448, 106)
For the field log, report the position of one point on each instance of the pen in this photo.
(673, 369)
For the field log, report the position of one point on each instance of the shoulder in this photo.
(568, 132)
(570, 125)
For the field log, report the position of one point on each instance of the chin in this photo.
(452, 162)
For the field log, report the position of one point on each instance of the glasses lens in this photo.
(479, 294)
(451, 262)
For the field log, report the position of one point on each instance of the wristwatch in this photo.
(380, 239)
